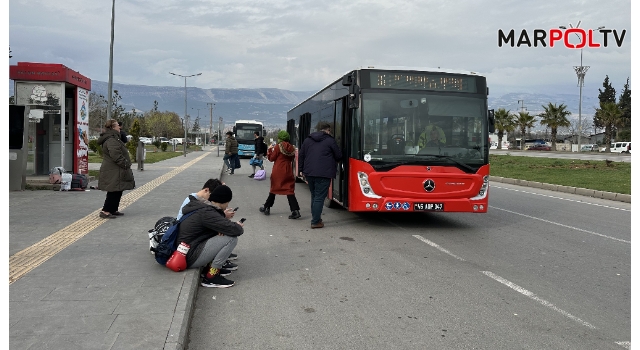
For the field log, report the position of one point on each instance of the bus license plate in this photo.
(428, 206)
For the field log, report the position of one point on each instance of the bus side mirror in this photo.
(347, 79)
(354, 94)
(492, 122)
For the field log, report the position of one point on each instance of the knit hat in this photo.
(283, 136)
(221, 194)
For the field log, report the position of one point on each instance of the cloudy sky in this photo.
(303, 45)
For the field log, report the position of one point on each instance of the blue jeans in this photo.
(230, 161)
(319, 187)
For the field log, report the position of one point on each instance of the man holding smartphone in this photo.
(211, 236)
(203, 196)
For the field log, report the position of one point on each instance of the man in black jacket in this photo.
(317, 163)
(260, 149)
(210, 235)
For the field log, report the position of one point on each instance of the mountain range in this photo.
(270, 105)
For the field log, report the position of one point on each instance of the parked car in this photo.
(618, 147)
(589, 148)
(145, 140)
(539, 147)
(621, 147)
(164, 139)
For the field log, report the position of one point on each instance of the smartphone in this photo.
(236, 208)
(242, 220)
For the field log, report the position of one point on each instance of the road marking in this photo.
(437, 247)
(624, 344)
(31, 257)
(536, 298)
(563, 225)
(566, 199)
(427, 241)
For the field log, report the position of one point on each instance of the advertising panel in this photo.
(82, 132)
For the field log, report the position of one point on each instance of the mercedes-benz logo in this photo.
(429, 185)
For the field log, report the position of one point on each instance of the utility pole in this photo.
(581, 71)
(522, 109)
(211, 107)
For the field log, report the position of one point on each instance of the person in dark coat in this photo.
(116, 175)
(317, 163)
(210, 235)
(230, 152)
(282, 180)
(260, 150)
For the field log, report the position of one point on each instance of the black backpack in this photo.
(155, 235)
(169, 241)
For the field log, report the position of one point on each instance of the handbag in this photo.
(260, 175)
(255, 161)
(237, 162)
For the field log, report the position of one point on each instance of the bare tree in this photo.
(97, 112)
(573, 128)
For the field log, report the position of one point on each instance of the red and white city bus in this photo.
(382, 119)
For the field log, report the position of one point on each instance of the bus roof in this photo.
(419, 69)
(248, 122)
(392, 68)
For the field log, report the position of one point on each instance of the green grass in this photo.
(152, 157)
(591, 174)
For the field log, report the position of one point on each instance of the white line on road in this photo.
(437, 247)
(536, 298)
(624, 344)
(427, 242)
(563, 225)
(555, 197)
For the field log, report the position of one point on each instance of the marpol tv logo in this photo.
(587, 37)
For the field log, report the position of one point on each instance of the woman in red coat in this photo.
(282, 180)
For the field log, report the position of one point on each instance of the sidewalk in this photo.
(81, 282)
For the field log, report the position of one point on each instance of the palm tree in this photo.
(505, 122)
(524, 120)
(555, 117)
(609, 114)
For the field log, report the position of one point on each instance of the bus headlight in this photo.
(484, 189)
(365, 187)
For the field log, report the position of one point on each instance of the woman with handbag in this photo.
(116, 175)
(282, 180)
(260, 150)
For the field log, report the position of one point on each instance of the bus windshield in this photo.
(245, 131)
(424, 128)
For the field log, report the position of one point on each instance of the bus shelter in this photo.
(53, 101)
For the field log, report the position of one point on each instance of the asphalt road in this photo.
(540, 270)
(616, 157)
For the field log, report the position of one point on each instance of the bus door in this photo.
(339, 188)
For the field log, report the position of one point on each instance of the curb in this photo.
(178, 335)
(620, 197)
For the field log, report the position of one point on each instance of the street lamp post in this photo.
(110, 84)
(219, 134)
(184, 144)
(212, 106)
(581, 71)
